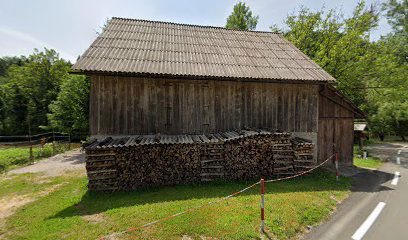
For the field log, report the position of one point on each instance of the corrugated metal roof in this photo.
(133, 46)
(137, 140)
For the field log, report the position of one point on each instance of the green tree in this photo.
(241, 18)
(2, 113)
(337, 44)
(15, 110)
(69, 112)
(6, 62)
(38, 82)
(397, 14)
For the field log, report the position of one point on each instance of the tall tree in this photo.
(69, 112)
(388, 103)
(6, 62)
(15, 111)
(36, 84)
(337, 44)
(241, 18)
(397, 14)
(2, 113)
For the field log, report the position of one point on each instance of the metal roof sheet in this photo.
(137, 140)
(132, 46)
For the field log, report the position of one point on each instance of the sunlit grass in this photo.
(71, 212)
(17, 156)
(369, 162)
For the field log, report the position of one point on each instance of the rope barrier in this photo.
(302, 173)
(184, 212)
(218, 201)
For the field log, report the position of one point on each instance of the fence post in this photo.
(31, 154)
(262, 205)
(337, 165)
(69, 142)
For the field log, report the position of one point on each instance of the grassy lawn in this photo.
(17, 156)
(71, 212)
(369, 162)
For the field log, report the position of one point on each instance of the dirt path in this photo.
(56, 165)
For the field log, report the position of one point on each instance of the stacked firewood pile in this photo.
(154, 165)
(101, 168)
(283, 155)
(263, 155)
(134, 163)
(303, 154)
(212, 162)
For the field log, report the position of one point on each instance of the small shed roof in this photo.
(360, 126)
(141, 47)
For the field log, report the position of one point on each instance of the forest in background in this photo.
(38, 93)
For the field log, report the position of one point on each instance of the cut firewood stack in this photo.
(283, 155)
(212, 162)
(158, 164)
(102, 172)
(303, 150)
(135, 162)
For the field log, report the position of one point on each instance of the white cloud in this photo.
(14, 42)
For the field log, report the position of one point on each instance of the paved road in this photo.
(378, 206)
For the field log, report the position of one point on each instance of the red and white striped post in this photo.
(262, 205)
(336, 162)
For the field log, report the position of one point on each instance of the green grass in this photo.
(17, 156)
(369, 162)
(71, 212)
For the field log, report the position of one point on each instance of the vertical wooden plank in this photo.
(98, 109)
(176, 108)
(315, 106)
(272, 89)
(103, 98)
(238, 105)
(244, 102)
(267, 103)
(94, 105)
(217, 107)
(279, 108)
(197, 110)
(161, 110)
(145, 106)
(298, 109)
(125, 106)
(211, 101)
(130, 106)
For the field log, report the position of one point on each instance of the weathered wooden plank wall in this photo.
(132, 105)
(336, 125)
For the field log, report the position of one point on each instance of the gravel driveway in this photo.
(56, 165)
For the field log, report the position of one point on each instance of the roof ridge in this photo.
(192, 25)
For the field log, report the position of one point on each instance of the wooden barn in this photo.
(161, 91)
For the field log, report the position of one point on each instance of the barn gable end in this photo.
(206, 102)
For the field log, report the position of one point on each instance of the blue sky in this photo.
(70, 26)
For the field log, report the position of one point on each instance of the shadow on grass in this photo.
(97, 202)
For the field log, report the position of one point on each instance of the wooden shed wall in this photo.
(336, 126)
(133, 105)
